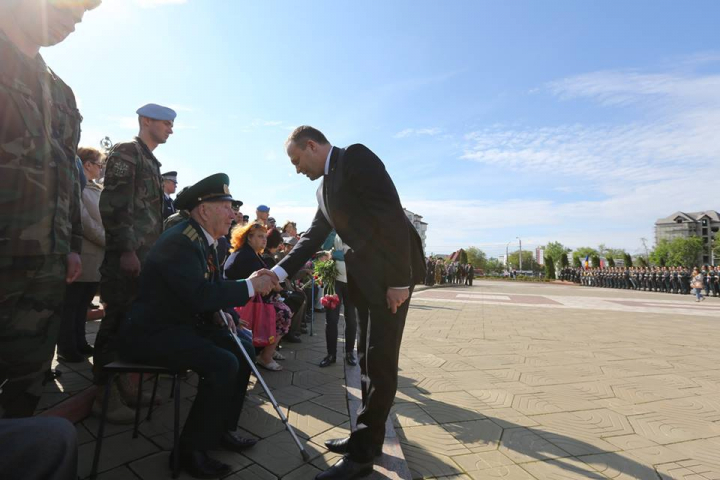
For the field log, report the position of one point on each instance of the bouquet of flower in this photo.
(325, 274)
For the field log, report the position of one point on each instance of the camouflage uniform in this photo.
(131, 210)
(39, 219)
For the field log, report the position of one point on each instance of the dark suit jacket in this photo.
(168, 207)
(365, 209)
(180, 284)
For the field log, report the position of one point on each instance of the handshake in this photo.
(264, 281)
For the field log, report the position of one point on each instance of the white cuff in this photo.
(280, 272)
(398, 288)
(251, 290)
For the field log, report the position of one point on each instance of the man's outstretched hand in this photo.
(396, 297)
(264, 281)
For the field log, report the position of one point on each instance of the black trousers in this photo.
(212, 353)
(380, 335)
(78, 297)
(333, 316)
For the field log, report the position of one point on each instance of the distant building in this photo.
(417, 222)
(688, 224)
(503, 259)
(540, 255)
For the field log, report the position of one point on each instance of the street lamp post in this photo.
(520, 257)
(507, 258)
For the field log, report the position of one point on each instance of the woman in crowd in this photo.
(248, 243)
(72, 345)
(697, 284)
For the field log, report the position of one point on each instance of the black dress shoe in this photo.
(340, 445)
(71, 357)
(51, 375)
(346, 469)
(350, 359)
(234, 442)
(87, 350)
(199, 465)
(327, 361)
(292, 339)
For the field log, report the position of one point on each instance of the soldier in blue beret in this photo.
(178, 322)
(169, 186)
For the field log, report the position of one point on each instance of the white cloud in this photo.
(417, 132)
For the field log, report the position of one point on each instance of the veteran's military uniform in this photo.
(171, 322)
(39, 219)
(131, 210)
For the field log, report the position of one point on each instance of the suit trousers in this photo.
(380, 335)
(212, 353)
(78, 297)
(333, 316)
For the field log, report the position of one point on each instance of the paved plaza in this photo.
(499, 380)
(522, 381)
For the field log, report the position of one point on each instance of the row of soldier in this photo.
(674, 280)
(439, 273)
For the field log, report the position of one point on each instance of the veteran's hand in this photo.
(396, 297)
(130, 264)
(74, 267)
(225, 319)
(264, 281)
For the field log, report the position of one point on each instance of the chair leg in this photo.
(176, 429)
(101, 427)
(152, 399)
(172, 389)
(137, 406)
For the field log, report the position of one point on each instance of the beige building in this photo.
(687, 224)
(417, 222)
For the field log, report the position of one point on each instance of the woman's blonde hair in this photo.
(239, 234)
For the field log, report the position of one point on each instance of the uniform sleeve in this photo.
(118, 199)
(76, 234)
(184, 270)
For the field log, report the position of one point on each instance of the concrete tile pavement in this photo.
(580, 386)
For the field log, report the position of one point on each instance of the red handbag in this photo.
(260, 318)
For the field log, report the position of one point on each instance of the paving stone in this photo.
(563, 469)
(253, 472)
(262, 421)
(292, 395)
(279, 454)
(477, 435)
(523, 445)
(116, 450)
(310, 419)
(432, 439)
(411, 415)
(336, 402)
(621, 467)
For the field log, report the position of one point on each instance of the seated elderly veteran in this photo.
(177, 322)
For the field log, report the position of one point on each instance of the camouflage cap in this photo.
(211, 189)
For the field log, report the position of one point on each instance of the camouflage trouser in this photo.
(117, 291)
(32, 290)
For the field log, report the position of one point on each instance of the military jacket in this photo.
(181, 282)
(39, 179)
(132, 199)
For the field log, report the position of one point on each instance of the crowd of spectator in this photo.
(440, 272)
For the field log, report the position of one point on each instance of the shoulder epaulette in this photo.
(191, 233)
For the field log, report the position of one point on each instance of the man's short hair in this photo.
(303, 133)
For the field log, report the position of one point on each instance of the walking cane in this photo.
(312, 305)
(280, 413)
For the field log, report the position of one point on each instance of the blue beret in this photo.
(263, 208)
(157, 112)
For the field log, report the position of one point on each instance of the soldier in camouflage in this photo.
(131, 210)
(40, 229)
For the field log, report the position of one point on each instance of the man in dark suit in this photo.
(169, 187)
(177, 322)
(358, 199)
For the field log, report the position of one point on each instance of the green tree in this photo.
(549, 268)
(556, 250)
(563, 260)
(494, 265)
(477, 257)
(610, 261)
(463, 257)
(642, 262)
(627, 259)
(660, 255)
(684, 252)
(595, 260)
(528, 261)
(577, 262)
(583, 252)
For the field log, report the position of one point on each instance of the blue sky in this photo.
(571, 121)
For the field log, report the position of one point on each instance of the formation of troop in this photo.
(440, 273)
(676, 280)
